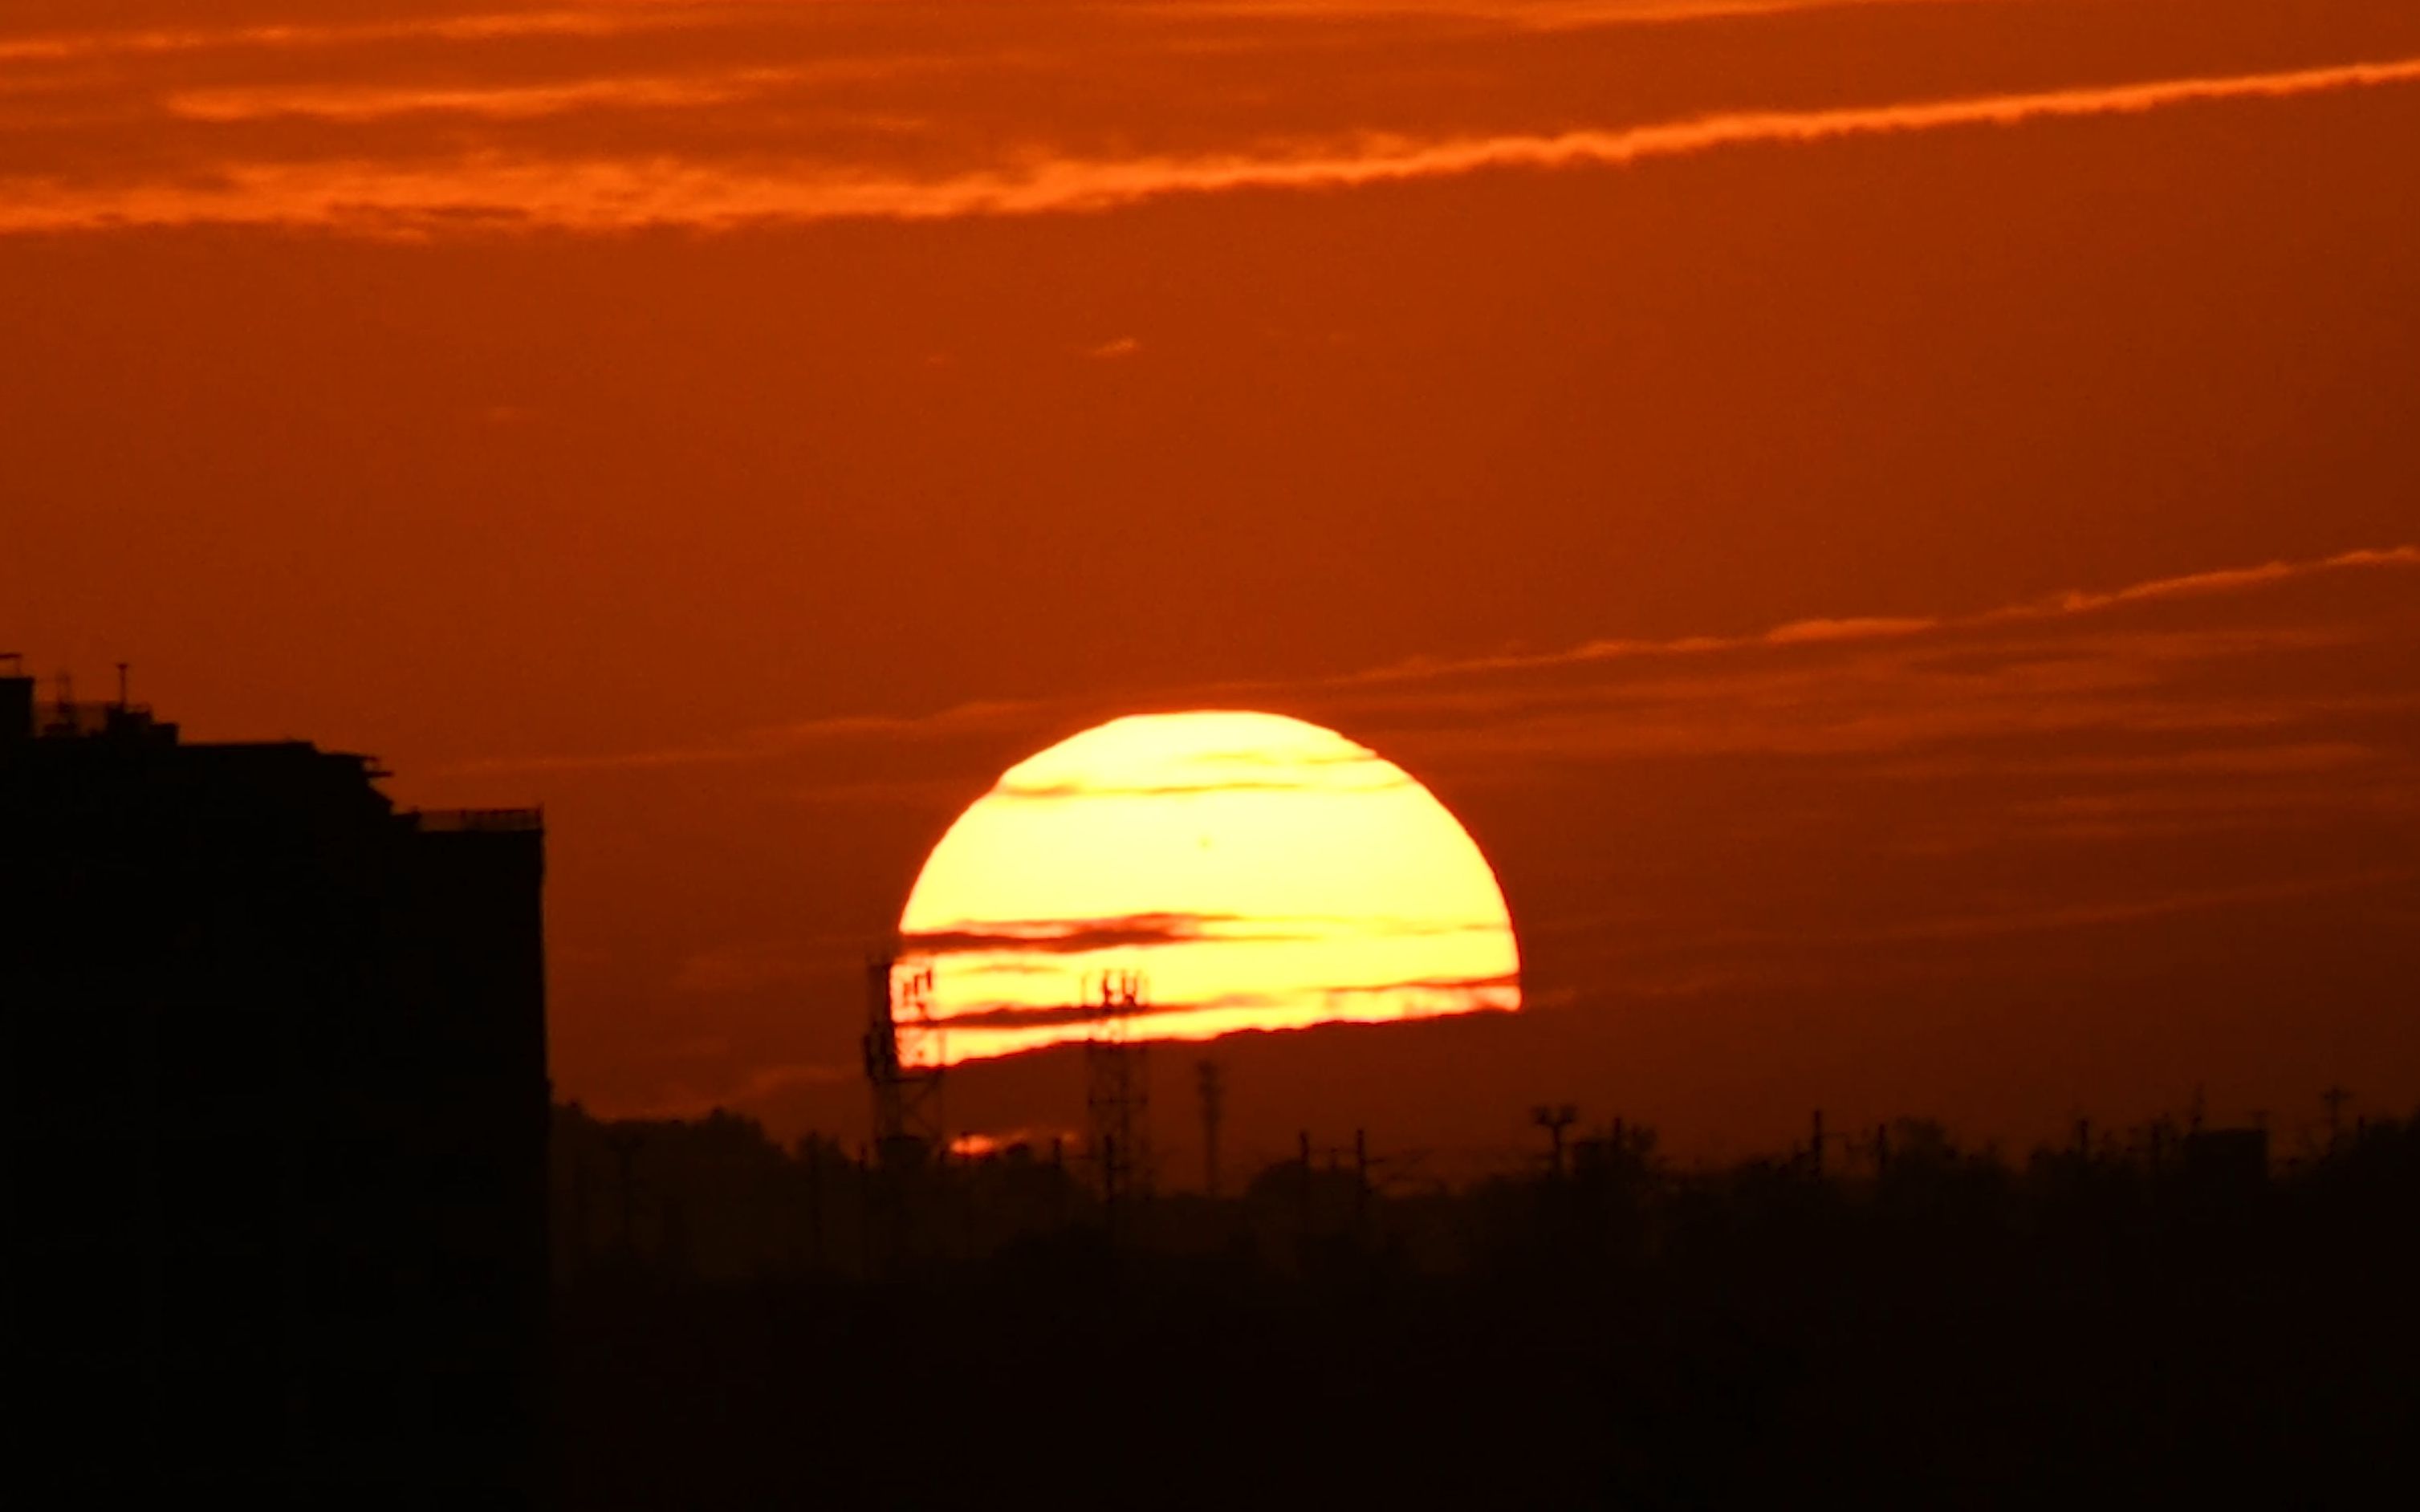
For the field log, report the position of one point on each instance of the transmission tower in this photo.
(1117, 1090)
(2335, 1098)
(1212, 1083)
(1555, 1118)
(906, 1096)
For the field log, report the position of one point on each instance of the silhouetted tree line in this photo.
(1891, 1313)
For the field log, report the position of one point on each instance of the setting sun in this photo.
(1262, 873)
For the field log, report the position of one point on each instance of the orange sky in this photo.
(1781, 474)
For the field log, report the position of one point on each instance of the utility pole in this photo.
(1555, 1118)
(2335, 1098)
(1361, 1183)
(1212, 1083)
(816, 1203)
(1815, 1145)
(1059, 1179)
(625, 1144)
(1302, 1184)
(866, 1252)
(578, 1245)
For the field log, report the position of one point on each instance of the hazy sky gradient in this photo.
(1669, 431)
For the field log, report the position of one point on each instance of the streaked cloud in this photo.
(766, 116)
(2125, 665)
(1944, 927)
(477, 27)
(988, 1029)
(1326, 778)
(497, 103)
(617, 17)
(1850, 628)
(1069, 936)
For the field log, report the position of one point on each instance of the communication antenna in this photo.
(1555, 1118)
(1117, 1090)
(2335, 1098)
(907, 1090)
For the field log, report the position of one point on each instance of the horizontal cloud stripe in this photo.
(756, 16)
(1069, 936)
(957, 721)
(1009, 1015)
(1068, 792)
(2074, 602)
(499, 192)
(475, 27)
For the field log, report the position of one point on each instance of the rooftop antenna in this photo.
(906, 1097)
(1117, 1093)
(1555, 1118)
(2335, 1098)
(122, 669)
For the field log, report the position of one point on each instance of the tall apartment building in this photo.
(273, 1111)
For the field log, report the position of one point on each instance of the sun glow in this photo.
(1262, 873)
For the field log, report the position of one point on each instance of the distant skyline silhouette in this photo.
(1891, 524)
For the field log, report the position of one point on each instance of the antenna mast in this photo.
(1555, 1118)
(906, 1097)
(1117, 1093)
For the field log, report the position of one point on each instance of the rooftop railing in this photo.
(479, 821)
(79, 720)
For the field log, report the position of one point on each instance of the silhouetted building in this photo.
(275, 1114)
(2227, 1162)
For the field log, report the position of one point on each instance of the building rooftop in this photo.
(29, 721)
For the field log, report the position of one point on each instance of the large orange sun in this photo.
(1261, 872)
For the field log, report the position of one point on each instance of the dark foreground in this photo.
(1956, 1334)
